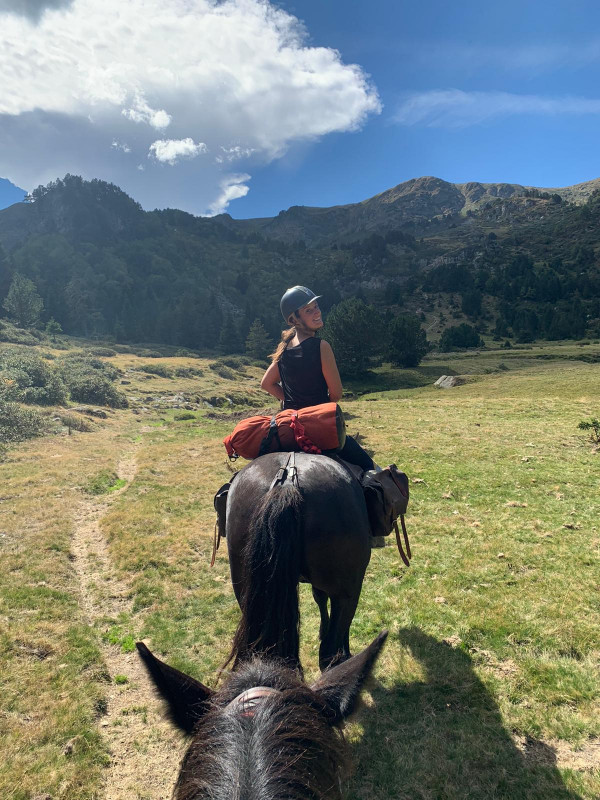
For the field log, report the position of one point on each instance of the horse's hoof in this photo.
(377, 541)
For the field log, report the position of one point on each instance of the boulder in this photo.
(449, 381)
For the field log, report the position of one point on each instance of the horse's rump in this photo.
(317, 528)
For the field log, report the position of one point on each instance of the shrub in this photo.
(148, 353)
(76, 364)
(188, 372)
(235, 362)
(75, 422)
(18, 423)
(183, 353)
(95, 389)
(10, 333)
(459, 336)
(222, 370)
(180, 416)
(155, 369)
(26, 378)
(593, 426)
(102, 351)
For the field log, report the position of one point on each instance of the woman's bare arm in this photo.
(330, 372)
(270, 381)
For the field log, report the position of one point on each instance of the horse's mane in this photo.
(286, 749)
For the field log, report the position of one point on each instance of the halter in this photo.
(245, 703)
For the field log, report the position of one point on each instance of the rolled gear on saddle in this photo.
(314, 429)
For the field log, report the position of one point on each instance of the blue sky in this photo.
(472, 91)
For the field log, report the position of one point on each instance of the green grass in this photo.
(104, 482)
(488, 686)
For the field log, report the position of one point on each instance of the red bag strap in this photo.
(302, 440)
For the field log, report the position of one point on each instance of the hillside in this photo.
(412, 205)
(513, 260)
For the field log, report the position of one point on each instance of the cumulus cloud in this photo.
(33, 9)
(235, 76)
(232, 187)
(141, 112)
(453, 108)
(169, 151)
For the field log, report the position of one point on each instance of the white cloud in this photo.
(169, 151)
(453, 108)
(236, 75)
(117, 145)
(141, 112)
(232, 187)
(233, 153)
(30, 8)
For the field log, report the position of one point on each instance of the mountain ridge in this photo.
(486, 252)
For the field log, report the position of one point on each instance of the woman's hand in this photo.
(330, 372)
(270, 381)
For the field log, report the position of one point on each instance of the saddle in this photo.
(386, 495)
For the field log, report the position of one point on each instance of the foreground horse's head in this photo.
(265, 735)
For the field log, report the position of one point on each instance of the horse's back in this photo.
(332, 496)
(335, 525)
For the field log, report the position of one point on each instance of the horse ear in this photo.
(187, 698)
(340, 686)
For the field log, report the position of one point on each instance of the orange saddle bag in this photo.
(311, 429)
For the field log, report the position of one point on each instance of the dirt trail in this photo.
(145, 750)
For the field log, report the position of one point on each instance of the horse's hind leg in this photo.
(335, 645)
(321, 599)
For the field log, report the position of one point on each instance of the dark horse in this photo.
(314, 528)
(265, 735)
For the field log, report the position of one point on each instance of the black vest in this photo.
(302, 376)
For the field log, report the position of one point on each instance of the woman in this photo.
(303, 371)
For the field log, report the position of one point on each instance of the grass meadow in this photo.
(489, 683)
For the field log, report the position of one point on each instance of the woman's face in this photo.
(310, 316)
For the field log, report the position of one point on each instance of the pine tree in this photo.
(229, 338)
(53, 328)
(407, 342)
(22, 302)
(258, 342)
(355, 332)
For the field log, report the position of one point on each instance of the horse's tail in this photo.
(270, 614)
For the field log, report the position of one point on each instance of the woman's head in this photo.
(305, 317)
(295, 299)
(308, 318)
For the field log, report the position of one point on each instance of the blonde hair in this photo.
(288, 335)
(286, 338)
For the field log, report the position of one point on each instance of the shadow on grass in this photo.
(389, 379)
(444, 739)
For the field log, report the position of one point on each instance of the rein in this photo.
(245, 704)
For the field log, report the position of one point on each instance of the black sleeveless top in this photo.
(302, 376)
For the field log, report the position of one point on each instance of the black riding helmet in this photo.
(296, 298)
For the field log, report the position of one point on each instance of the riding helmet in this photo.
(295, 298)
